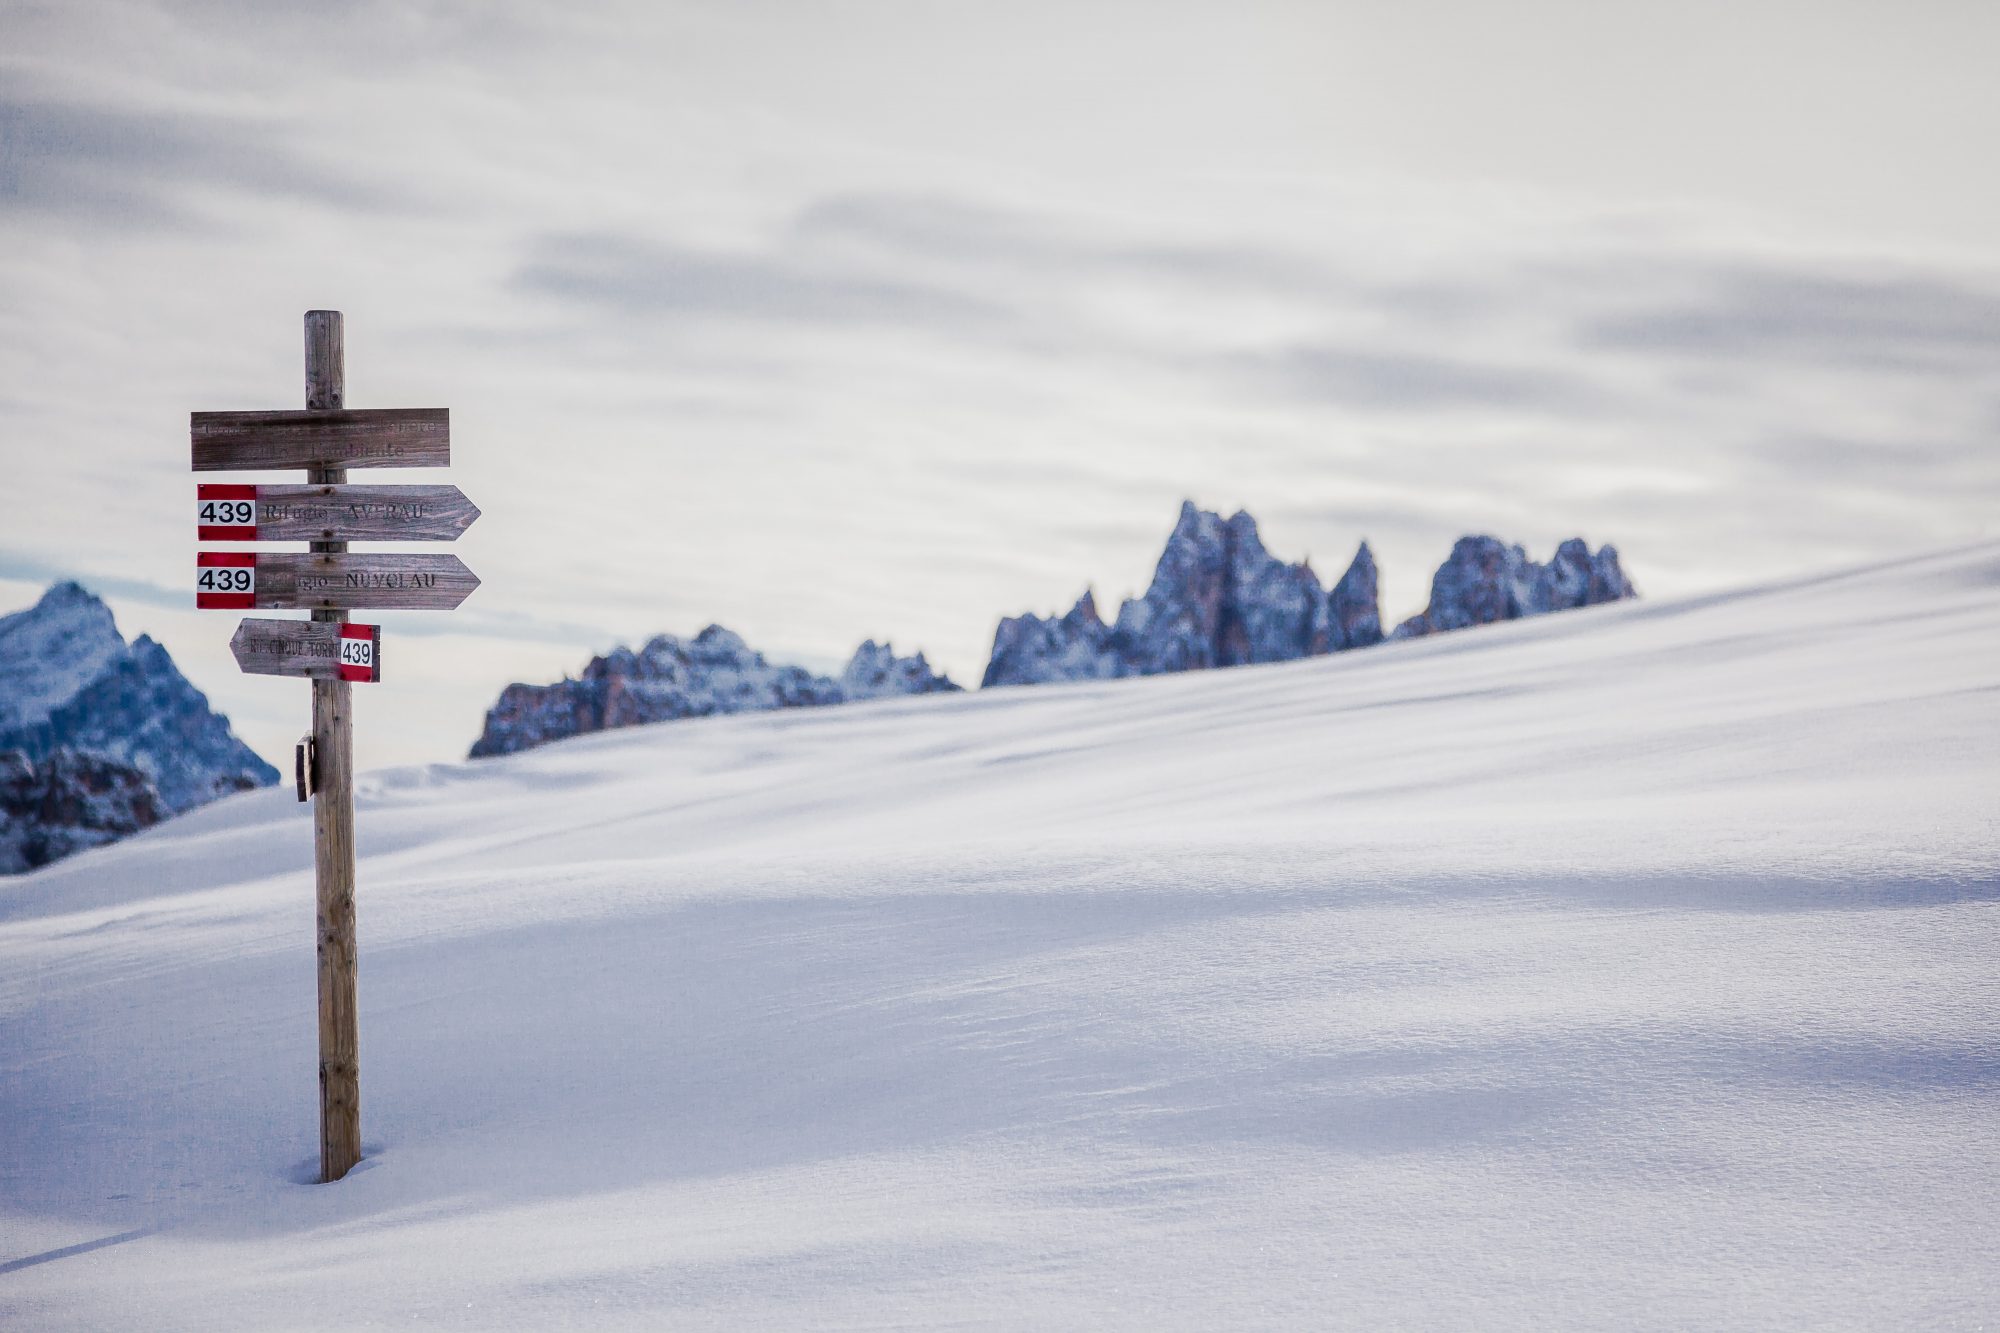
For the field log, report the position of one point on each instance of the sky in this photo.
(882, 320)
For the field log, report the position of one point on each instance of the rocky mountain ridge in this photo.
(1484, 581)
(670, 677)
(67, 801)
(1218, 598)
(98, 737)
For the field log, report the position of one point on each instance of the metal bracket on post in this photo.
(305, 767)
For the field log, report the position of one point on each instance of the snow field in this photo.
(1627, 967)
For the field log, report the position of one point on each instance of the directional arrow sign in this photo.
(311, 581)
(328, 650)
(229, 513)
(378, 437)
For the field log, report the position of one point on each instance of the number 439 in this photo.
(226, 580)
(229, 513)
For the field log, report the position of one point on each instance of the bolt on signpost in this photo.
(326, 439)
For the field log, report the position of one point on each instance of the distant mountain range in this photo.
(1218, 599)
(1484, 581)
(100, 738)
(714, 672)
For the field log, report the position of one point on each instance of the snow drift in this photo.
(1627, 968)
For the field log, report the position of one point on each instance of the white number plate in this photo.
(224, 579)
(243, 578)
(228, 513)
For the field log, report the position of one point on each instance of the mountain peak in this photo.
(876, 671)
(715, 672)
(1353, 604)
(51, 650)
(1218, 598)
(67, 593)
(1486, 580)
(82, 711)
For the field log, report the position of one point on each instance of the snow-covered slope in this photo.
(1631, 968)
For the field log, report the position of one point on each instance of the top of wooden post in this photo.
(326, 362)
(325, 439)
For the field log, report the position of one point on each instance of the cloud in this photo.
(959, 231)
(1902, 322)
(1409, 382)
(939, 383)
(649, 278)
(99, 164)
(930, 224)
(1904, 463)
(24, 568)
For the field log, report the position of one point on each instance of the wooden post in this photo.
(326, 439)
(333, 819)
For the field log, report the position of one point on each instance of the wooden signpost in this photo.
(343, 651)
(321, 439)
(326, 439)
(320, 513)
(309, 581)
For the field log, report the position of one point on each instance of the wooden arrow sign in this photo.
(378, 437)
(231, 513)
(327, 650)
(312, 581)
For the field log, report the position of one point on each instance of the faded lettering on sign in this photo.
(321, 511)
(284, 648)
(363, 580)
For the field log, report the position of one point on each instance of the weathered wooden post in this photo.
(333, 814)
(326, 439)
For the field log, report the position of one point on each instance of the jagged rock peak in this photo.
(670, 677)
(81, 706)
(50, 650)
(1218, 598)
(875, 671)
(1354, 610)
(1030, 649)
(1485, 580)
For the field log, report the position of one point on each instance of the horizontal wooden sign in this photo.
(329, 650)
(376, 437)
(340, 513)
(312, 581)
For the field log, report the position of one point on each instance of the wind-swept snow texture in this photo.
(1632, 968)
